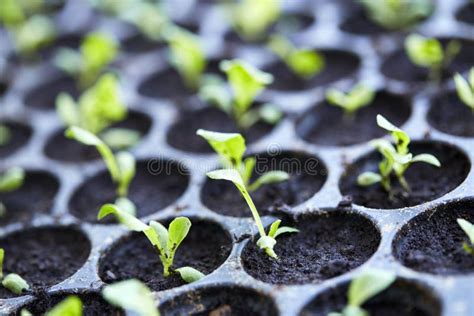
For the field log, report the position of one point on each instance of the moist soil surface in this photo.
(19, 135)
(359, 23)
(433, 241)
(426, 182)
(60, 148)
(44, 256)
(93, 304)
(43, 97)
(205, 248)
(338, 65)
(326, 246)
(3, 86)
(166, 84)
(397, 66)
(156, 185)
(138, 43)
(307, 176)
(220, 301)
(326, 124)
(35, 196)
(466, 13)
(182, 134)
(450, 115)
(401, 298)
(71, 41)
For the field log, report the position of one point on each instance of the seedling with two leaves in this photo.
(396, 159)
(429, 53)
(468, 228)
(363, 288)
(358, 97)
(11, 180)
(12, 282)
(96, 110)
(465, 89)
(165, 241)
(231, 149)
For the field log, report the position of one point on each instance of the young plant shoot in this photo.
(231, 149)
(465, 89)
(429, 53)
(11, 180)
(96, 110)
(252, 18)
(396, 159)
(305, 63)
(121, 166)
(165, 241)
(132, 296)
(364, 287)
(12, 282)
(357, 98)
(96, 52)
(5, 135)
(468, 228)
(70, 306)
(398, 14)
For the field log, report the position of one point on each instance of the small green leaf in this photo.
(120, 138)
(67, 109)
(274, 228)
(5, 135)
(190, 275)
(285, 230)
(270, 177)
(424, 52)
(267, 244)
(12, 179)
(368, 178)
(71, 306)
(468, 228)
(2, 257)
(270, 114)
(127, 167)
(15, 284)
(25, 312)
(367, 285)
(131, 295)
(428, 158)
(214, 91)
(178, 230)
(305, 63)
(249, 166)
(251, 18)
(162, 235)
(465, 90)
(126, 205)
(68, 60)
(229, 146)
(126, 219)
(42, 28)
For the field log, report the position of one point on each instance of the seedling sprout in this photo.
(468, 228)
(5, 135)
(465, 89)
(396, 159)
(70, 306)
(12, 282)
(10, 180)
(360, 96)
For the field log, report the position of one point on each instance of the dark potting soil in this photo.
(43, 97)
(450, 115)
(44, 256)
(327, 245)
(156, 185)
(166, 84)
(60, 148)
(72, 41)
(139, 43)
(35, 196)
(307, 175)
(466, 13)
(182, 134)
(205, 248)
(326, 124)
(359, 23)
(427, 182)
(397, 66)
(3, 86)
(93, 304)
(433, 241)
(338, 65)
(401, 298)
(19, 136)
(220, 301)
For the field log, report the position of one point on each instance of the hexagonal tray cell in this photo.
(35, 196)
(328, 244)
(205, 248)
(92, 303)
(466, 13)
(60, 148)
(20, 134)
(307, 175)
(44, 256)
(427, 182)
(404, 297)
(432, 242)
(339, 64)
(326, 124)
(357, 22)
(182, 134)
(43, 96)
(157, 184)
(221, 300)
(450, 115)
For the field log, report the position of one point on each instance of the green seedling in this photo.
(305, 63)
(12, 282)
(252, 18)
(364, 287)
(429, 53)
(96, 110)
(468, 228)
(398, 14)
(96, 52)
(70, 306)
(165, 241)
(396, 160)
(465, 89)
(147, 17)
(11, 180)
(121, 166)
(132, 296)
(5, 135)
(357, 98)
